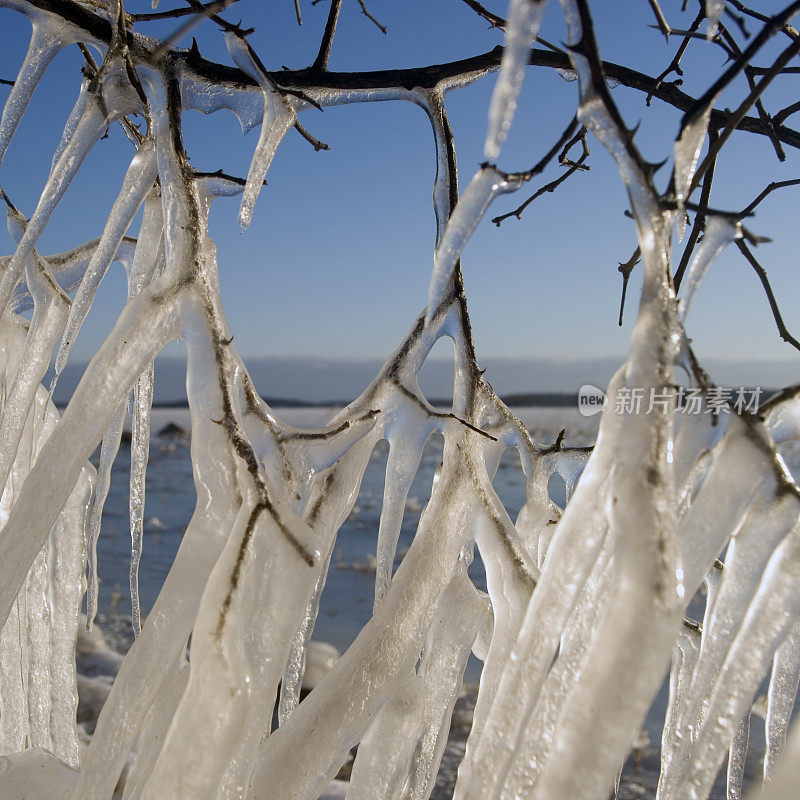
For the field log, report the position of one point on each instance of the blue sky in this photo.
(336, 262)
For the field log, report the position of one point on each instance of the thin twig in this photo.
(171, 14)
(201, 12)
(365, 12)
(573, 167)
(773, 303)
(625, 270)
(661, 20)
(491, 18)
(321, 61)
(767, 191)
(789, 53)
(318, 144)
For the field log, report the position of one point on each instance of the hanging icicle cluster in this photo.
(586, 605)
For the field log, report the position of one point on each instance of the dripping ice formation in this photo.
(663, 505)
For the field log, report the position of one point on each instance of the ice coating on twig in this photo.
(524, 19)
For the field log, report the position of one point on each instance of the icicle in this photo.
(469, 211)
(737, 755)
(292, 678)
(687, 153)
(781, 697)
(538, 738)
(68, 559)
(464, 612)
(684, 657)
(774, 607)
(140, 449)
(719, 233)
(401, 467)
(524, 18)
(141, 273)
(279, 116)
(39, 683)
(714, 9)
(155, 728)
(326, 519)
(138, 180)
(511, 576)
(108, 454)
(49, 35)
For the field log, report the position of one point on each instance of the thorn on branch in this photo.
(625, 269)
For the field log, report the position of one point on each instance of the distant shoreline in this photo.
(536, 399)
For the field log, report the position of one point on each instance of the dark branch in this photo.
(573, 167)
(492, 19)
(429, 77)
(773, 303)
(625, 270)
(321, 61)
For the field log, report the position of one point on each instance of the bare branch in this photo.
(773, 303)
(661, 20)
(365, 12)
(201, 13)
(316, 143)
(171, 14)
(767, 191)
(321, 61)
(625, 269)
(573, 167)
(492, 19)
